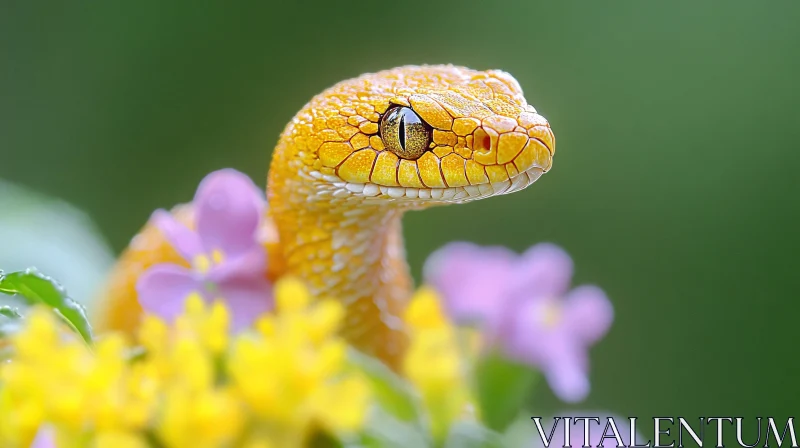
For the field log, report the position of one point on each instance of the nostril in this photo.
(482, 141)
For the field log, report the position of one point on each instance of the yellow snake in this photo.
(345, 169)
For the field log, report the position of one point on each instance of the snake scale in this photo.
(347, 167)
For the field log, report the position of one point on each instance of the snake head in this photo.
(418, 136)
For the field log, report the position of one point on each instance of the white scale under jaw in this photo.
(342, 189)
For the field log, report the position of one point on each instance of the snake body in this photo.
(347, 167)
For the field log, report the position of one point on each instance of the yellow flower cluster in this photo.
(435, 364)
(192, 385)
(59, 380)
(292, 374)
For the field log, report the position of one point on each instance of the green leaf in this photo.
(135, 354)
(522, 431)
(384, 430)
(393, 393)
(36, 288)
(322, 439)
(9, 324)
(503, 388)
(466, 434)
(9, 312)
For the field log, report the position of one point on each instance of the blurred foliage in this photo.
(45, 232)
(674, 185)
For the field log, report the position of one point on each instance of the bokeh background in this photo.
(674, 187)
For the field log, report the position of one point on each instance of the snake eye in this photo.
(404, 133)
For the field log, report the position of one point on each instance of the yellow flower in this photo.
(119, 440)
(425, 311)
(207, 418)
(192, 384)
(306, 384)
(343, 405)
(434, 363)
(194, 410)
(54, 377)
(211, 326)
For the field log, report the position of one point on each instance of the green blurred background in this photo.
(674, 185)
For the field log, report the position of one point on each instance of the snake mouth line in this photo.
(373, 192)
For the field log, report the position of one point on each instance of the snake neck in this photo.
(352, 253)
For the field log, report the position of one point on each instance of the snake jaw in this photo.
(333, 189)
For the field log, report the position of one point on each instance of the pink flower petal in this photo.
(522, 305)
(179, 236)
(45, 438)
(542, 335)
(528, 337)
(588, 313)
(246, 300)
(471, 280)
(247, 265)
(543, 270)
(229, 207)
(568, 381)
(163, 289)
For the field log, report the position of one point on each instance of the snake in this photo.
(344, 171)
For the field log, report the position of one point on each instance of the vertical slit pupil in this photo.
(402, 130)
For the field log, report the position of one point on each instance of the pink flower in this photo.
(524, 306)
(45, 438)
(227, 261)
